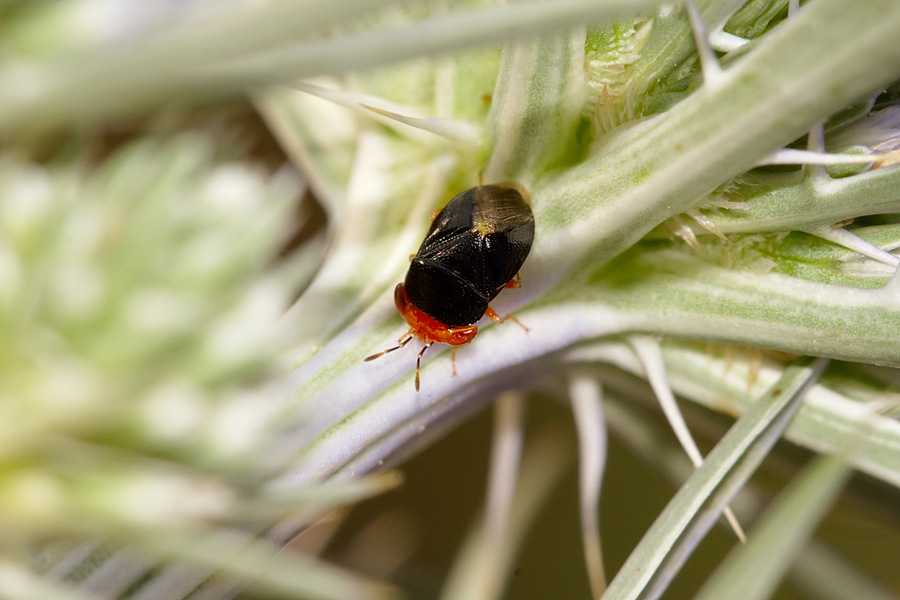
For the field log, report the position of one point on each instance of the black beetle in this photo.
(474, 248)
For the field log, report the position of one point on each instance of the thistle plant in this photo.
(715, 188)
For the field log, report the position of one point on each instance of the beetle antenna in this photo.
(403, 341)
(419, 362)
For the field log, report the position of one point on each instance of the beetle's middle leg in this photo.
(490, 312)
(515, 282)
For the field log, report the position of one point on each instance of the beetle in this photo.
(474, 249)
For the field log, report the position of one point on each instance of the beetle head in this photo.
(428, 329)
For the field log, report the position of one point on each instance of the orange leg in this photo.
(492, 314)
(515, 282)
(453, 359)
